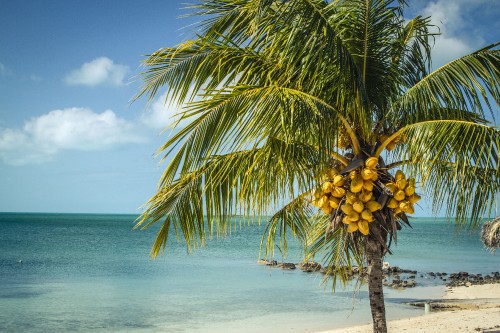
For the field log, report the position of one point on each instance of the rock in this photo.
(286, 265)
(267, 262)
(310, 266)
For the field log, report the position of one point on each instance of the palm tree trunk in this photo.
(374, 257)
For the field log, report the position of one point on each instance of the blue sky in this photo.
(70, 141)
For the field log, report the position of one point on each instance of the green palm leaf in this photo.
(458, 164)
(463, 84)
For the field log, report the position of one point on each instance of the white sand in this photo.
(439, 322)
(485, 320)
(474, 292)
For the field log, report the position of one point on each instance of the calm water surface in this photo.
(92, 273)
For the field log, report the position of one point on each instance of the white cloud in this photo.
(162, 115)
(100, 71)
(447, 49)
(457, 36)
(41, 138)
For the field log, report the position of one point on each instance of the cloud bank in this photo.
(41, 138)
(458, 34)
(161, 115)
(101, 71)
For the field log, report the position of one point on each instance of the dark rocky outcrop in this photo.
(267, 262)
(286, 265)
(466, 279)
(400, 284)
(394, 277)
(310, 266)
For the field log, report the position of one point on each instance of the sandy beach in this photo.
(462, 309)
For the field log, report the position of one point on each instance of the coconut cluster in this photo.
(359, 203)
(330, 194)
(403, 194)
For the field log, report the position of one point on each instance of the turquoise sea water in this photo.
(92, 273)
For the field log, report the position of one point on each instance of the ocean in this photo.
(93, 273)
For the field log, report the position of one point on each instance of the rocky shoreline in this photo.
(395, 277)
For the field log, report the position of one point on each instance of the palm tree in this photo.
(302, 104)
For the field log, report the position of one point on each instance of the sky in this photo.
(70, 138)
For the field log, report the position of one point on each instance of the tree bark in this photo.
(374, 253)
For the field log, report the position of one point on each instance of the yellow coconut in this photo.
(338, 181)
(392, 187)
(367, 215)
(358, 206)
(414, 198)
(356, 184)
(406, 207)
(390, 146)
(338, 192)
(323, 201)
(402, 183)
(347, 208)
(328, 209)
(365, 196)
(383, 138)
(346, 220)
(399, 195)
(363, 227)
(353, 216)
(334, 202)
(373, 206)
(367, 173)
(368, 185)
(374, 176)
(353, 174)
(392, 203)
(397, 211)
(333, 172)
(350, 197)
(327, 187)
(399, 175)
(371, 162)
(409, 190)
(352, 227)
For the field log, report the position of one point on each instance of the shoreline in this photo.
(471, 309)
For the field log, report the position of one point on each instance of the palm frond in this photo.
(340, 250)
(458, 163)
(294, 217)
(463, 84)
(412, 52)
(251, 182)
(245, 117)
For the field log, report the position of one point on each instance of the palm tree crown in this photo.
(280, 93)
